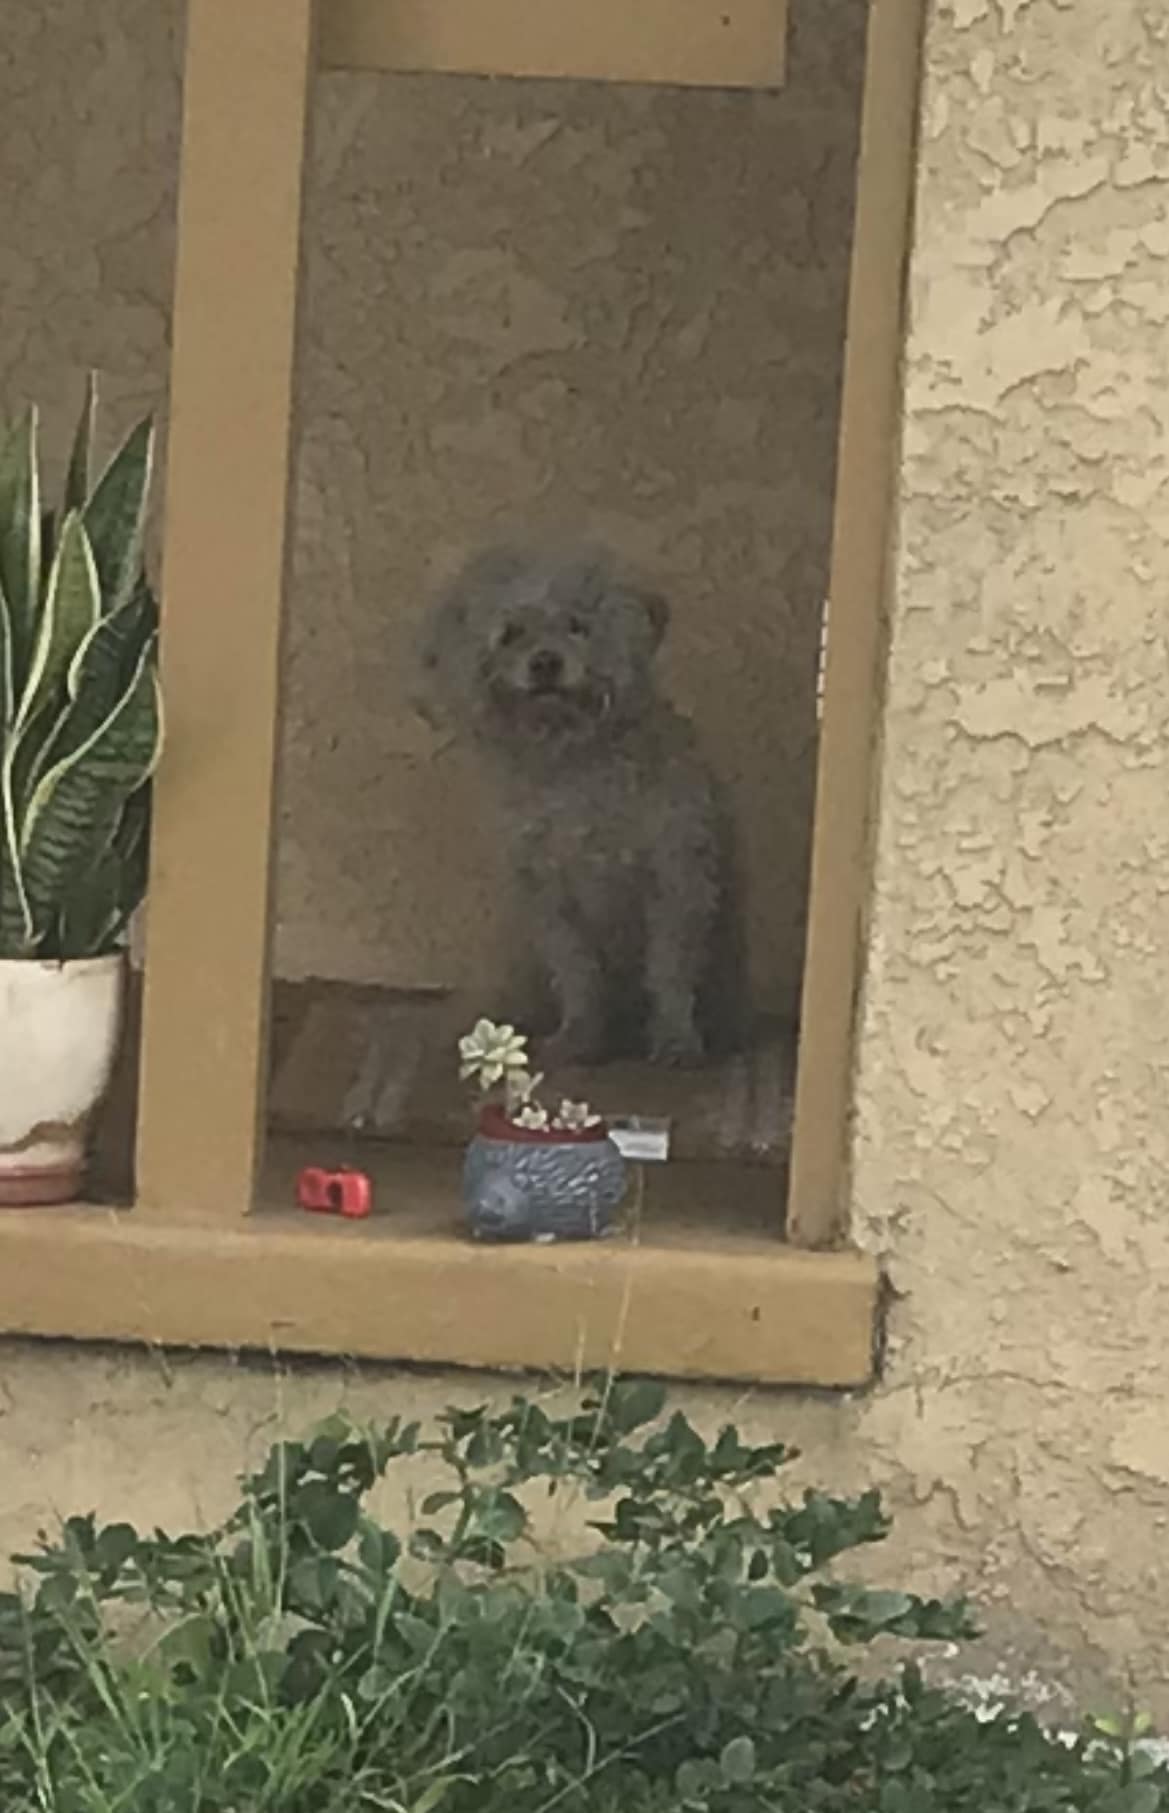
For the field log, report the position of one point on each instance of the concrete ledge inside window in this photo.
(697, 1286)
(685, 43)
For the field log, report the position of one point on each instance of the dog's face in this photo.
(556, 650)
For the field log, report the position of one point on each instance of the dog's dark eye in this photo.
(577, 626)
(509, 634)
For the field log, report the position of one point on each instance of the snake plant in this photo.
(80, 719)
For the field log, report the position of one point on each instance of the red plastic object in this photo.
(340, 1192)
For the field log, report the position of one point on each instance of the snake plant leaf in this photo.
(101, 669)
(7, 704)
(15, 920)
(132, 848)
(106, 661)
(103, 666)
(80, 459)
(20, 536)
(98, 912)
(71, 609)
(80, 724)
(115, 516)
(7, 828)
(78, 803)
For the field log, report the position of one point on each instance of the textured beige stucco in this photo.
(1010, 1148)
(1011, 1137)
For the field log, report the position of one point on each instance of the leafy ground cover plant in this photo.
(304, 1657)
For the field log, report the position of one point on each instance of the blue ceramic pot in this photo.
(519, 1185)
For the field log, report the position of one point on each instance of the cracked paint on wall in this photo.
(1010, 1144)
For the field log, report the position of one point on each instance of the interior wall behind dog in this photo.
(612, 308)
(559, 306)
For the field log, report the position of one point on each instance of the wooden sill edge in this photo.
(736, 1311)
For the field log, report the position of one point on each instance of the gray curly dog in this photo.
(618, 835)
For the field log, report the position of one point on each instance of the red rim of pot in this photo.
(494, 1124)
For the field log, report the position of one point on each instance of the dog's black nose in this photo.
(545, 668)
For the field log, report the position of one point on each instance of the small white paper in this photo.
(639, 1138)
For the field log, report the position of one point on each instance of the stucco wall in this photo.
(1010, 1151)
(1011, 1146)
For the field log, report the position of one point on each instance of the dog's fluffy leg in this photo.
(682, 914)
(579, 984)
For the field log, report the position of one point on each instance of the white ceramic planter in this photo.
(59, 1027)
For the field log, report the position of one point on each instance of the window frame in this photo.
(189, 1263)
(686, 43)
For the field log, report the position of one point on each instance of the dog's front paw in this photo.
(680, 1047)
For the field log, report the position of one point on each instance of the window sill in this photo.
(697, 1288)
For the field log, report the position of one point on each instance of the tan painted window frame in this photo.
(190, 1263)
(705, 43)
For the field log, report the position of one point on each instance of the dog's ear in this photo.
(441, 656)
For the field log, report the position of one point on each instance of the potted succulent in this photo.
(532, 1173)
(80, 729)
